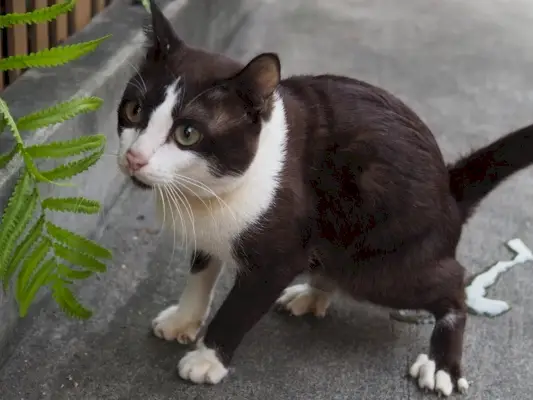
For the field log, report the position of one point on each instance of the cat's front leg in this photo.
(182, 321)
(254, 292)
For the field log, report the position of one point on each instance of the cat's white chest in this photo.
(210, 227)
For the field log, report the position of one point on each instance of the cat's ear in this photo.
(163, 39)
(261, 75)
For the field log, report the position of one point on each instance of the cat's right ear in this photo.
(163, 40)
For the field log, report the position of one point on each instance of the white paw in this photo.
(174, 323)
(202, 366)
(302, 299)
(439, 381)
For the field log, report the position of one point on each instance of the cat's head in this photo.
(190, 115)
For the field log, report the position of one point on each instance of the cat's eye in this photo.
(187, 135)
(132, 111)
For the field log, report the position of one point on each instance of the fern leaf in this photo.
(68, 302)
(73, 168)
(22, 250)
(146, 4)
(50, 57)
(77, 242)
(17, 214)
(2, 124)
(30, 266)
(9, 121)
(58, 113)
(6, 158)
(32, 169)
(77, 258)
(44, 14)
(37, 281)
(23, 219)
(79, 205)
(67, 148)
(70, 273)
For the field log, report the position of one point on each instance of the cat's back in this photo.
(364, 146)
(346, 117)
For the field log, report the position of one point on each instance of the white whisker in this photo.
(140, 76)
(189, 210)
(207, 206)
(172, 199)
(200, 185)
(160, 192)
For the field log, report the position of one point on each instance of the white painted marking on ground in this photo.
(476, 291)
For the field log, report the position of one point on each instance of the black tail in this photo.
(476, 175)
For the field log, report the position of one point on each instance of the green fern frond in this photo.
(6, 158)
(50, 57)
(17, 212)
(79, 205)
(32, 169)
(22, 250)
(9, 121)
(81, 259)
(44, 14)
(70, 273)
(58, 113)
(73, 168)
(26, 253)
(68, 302)
(4, 110)
(35, 258)
(37, 281)
(23, 219)
(77, 242)
(146, 4)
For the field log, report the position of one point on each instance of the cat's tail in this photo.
(474, 176)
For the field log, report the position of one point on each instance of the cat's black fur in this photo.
(365, 201)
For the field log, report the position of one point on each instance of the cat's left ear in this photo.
(261, 75)
(163, 38)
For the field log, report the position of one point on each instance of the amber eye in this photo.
(186, 135)
(132, 111)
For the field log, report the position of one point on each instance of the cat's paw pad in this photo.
(175, 324)
(440, 381)
(303, 298)
(202, 366)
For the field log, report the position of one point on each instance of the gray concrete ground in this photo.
(466, 68)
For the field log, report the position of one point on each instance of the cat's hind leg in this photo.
(440, 370)
(312, 297)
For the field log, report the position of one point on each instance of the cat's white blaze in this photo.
(156, 133)
(127, 138)
(216, 222)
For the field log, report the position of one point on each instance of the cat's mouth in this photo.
(140, 184)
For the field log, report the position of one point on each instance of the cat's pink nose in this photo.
(135, 160)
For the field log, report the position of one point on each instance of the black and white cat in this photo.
(323, 175)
